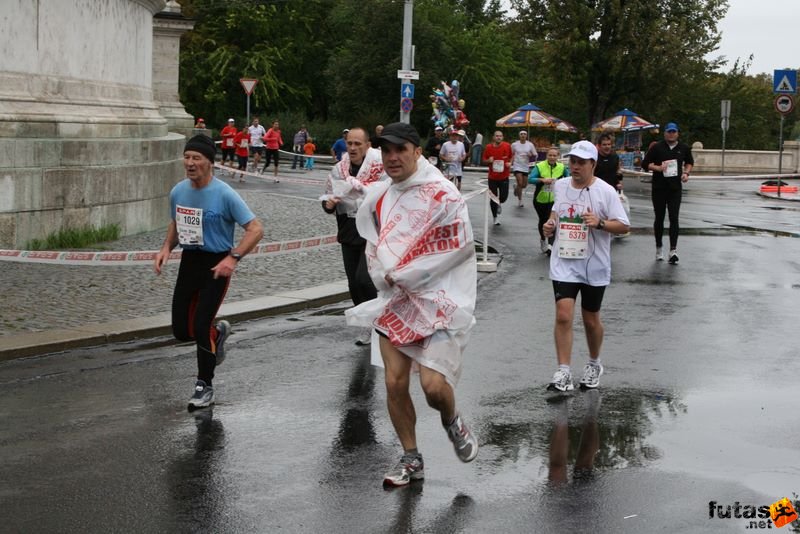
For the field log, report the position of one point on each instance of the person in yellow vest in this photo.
(543, 175)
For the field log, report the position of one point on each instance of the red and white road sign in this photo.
(784, 104)
(249, 84)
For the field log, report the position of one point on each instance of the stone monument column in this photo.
(82, 140)
(168, 26)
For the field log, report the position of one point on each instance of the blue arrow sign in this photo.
(784, 82)
(407, 90)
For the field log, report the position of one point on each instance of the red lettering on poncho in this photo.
(437, 240)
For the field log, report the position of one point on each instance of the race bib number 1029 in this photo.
(190, 225)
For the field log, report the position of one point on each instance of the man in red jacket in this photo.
(228, 147)
(498, 156)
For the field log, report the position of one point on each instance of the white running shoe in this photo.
(365, 338)
(659, 254)
(408, 469)
(562, 381)
(464, 441)
(591, 375)
(203, 396)
(673, 257)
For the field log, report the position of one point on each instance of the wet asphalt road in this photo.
(698, 404)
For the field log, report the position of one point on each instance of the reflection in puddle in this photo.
(616, 429)
(198, 490)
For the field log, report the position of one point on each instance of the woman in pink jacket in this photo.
(273, 142)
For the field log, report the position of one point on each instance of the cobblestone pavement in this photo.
(40, 297)
(45, 297)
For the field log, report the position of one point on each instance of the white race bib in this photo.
(190, 225)
(498, 166)
(573, 240)
(670, 168)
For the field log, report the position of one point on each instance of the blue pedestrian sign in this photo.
(407, 90)
(784, 82)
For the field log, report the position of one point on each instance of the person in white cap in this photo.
(228, 147)
(453, 153)
(586, 211)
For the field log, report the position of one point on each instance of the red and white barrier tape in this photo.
(473, 194)
(268, 178)
(106, 259)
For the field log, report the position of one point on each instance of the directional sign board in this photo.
(784, 104)
(248, 84)
(406, 105)
(408, 74)
(407, 90)
(784, 82)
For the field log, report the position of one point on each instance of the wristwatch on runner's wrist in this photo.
(601, 224)
(236, 256)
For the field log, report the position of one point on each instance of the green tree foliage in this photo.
(453, 40)
(617, 53)
(273, 42)
(333, 63)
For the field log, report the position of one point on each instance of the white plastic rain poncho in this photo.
(419, 235)
(350, 189)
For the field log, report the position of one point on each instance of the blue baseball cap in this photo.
(672, 127)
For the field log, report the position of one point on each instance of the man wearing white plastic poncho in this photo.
(361, 166)
(421, 257)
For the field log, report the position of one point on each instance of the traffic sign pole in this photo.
(780, 155)
(784, 104)
(408, 18)
(725, 111)
(248, 84)
(784, 84)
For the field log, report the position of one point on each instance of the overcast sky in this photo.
(768, 29)
(764, 28)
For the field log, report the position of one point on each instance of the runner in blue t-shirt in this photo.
(205, 212)
(340, 146)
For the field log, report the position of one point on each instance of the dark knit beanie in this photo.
(203, 144)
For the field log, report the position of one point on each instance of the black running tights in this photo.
(195, 303)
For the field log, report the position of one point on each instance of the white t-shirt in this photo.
(524, 153)
(452, 154)
(257, 134)
(570, 204)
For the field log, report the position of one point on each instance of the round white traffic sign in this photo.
(784, 104)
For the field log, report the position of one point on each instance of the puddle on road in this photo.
(583, 434)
